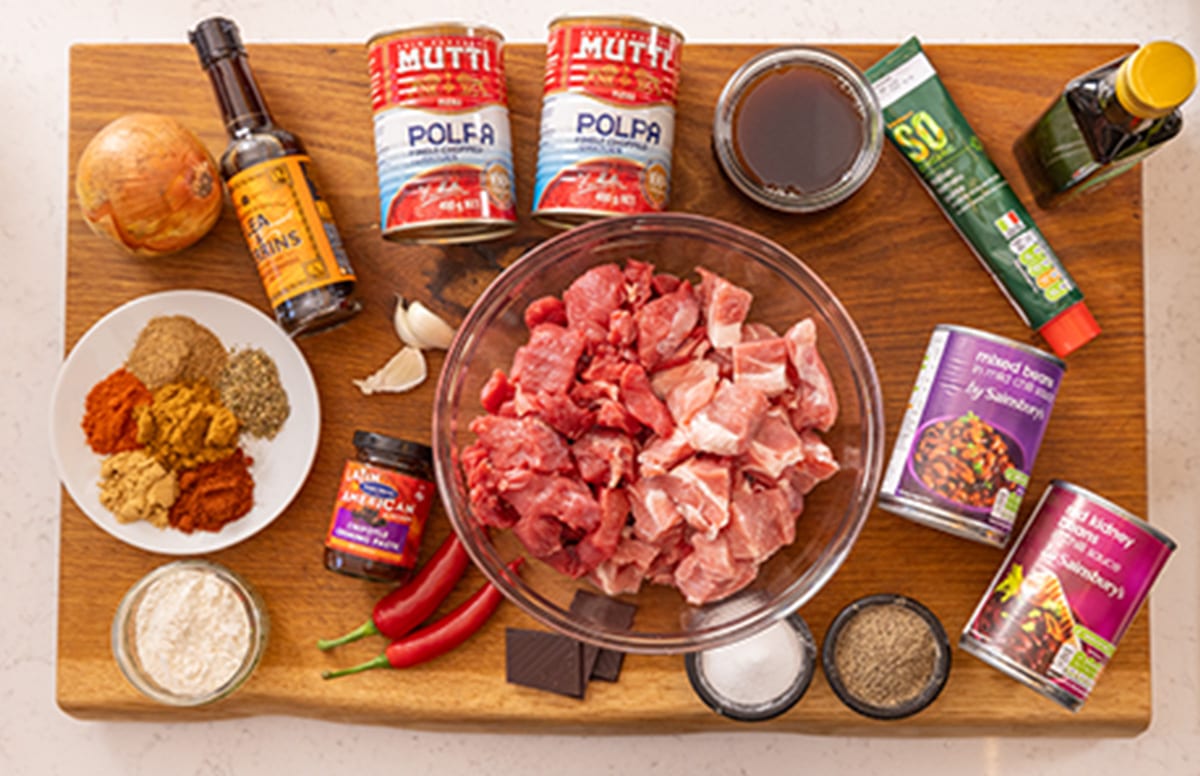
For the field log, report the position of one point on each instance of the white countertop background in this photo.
(37, 738)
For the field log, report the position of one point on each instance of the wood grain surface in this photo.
(888, 253)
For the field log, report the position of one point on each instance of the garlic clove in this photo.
(428, 327)
(405, 371)
(403, 327)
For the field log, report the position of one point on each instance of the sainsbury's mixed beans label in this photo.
(973, 426)
(1069, 590)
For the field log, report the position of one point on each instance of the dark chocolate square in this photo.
(600, 663)
(544, 661)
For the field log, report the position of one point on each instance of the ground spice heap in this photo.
(251, 388)
(134, 486)
(214, 494)
(174, 348)
(108, 419)
(186, 425)
(886, 655)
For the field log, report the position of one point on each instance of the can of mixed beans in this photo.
(443, 145)
(608, 119)
(1066, 593)
(972, 430)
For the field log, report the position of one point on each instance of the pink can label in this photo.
(608, 118)
(443, 143)
(1069, 589)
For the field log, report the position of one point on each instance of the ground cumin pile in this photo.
(174, 348)
(886, 655)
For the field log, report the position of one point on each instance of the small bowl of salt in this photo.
(759, 677)
(189, 633)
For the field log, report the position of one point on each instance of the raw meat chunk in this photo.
(654, 512)
(762, 364)
(725, 425)
(639, 283)
(639, 398)
(522, 443)
(711, 572)
(497, 390)
(774, 446)
(700, 489)
(601, 543)
(594, 295)
(604, 457)
(625, 569)
(565, 499)
(547, 309)
(725, 308)
(686, 388)
(815, 404)
(556, 409)
(660, 454)
(759, 523)
(664, 324)
(547, 362)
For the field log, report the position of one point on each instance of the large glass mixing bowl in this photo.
(785, 290)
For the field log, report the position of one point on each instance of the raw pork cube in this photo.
(654, 512)
(762, 364)
(565, 499)
(686, 388)
(597, 546)
(700, 489)
(759, 523)
(641, 402)
(639, 283)
(711, 572)
(547, 362)
(815, 403)
(660, 454)
(592, 298)
(664, 324)
(725, 425)
(625, 569)
(725, 308)
(774, 446)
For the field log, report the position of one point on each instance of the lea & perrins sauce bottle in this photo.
(288, 226)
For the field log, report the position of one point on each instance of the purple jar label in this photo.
(972, 430)
(1068, 591)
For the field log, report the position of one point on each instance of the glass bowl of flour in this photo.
(189, 633)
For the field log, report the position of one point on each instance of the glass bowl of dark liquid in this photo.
(798, 129)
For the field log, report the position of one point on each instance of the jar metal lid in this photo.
(937, 678)
(768, 709)
(861, 92)
(401, 448)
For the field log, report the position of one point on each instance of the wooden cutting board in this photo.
(887, 253)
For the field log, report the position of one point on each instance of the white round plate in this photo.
(281, 465)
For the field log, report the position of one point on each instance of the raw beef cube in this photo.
(566, 499)
(725, 308)
(665, 283)
(606, 365)
(522, 443)
(641, 402)
(726, 424)
(625, 569)
(654, 513)
(759, 523)
(547, 309)
(694, 347)
(762, 364)
(622, 328)
(547, 362)
(639, 280)
(597, 546)
(593, 296)
(700, 489)
(673, 547)
(497, 390)
(815, 403)
(686, 388)
(589, 394)
(774, 446)
(556, 409)
(565, 561)
(660, 454)
(604, 457)
(484, 483)
(541, 534)
(664, 324)
(710, 572)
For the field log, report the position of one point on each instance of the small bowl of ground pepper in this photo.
(886, 656)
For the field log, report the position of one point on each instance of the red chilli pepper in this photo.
(438, 638)
(406, 607)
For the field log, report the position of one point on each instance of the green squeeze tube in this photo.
(927, 127)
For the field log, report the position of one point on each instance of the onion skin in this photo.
(147, 183)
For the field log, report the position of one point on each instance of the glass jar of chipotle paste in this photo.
(381, 508)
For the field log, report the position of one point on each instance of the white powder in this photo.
(757, 670)
(192, 632)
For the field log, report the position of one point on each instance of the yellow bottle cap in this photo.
(1156, 79)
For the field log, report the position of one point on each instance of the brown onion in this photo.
(148, 184)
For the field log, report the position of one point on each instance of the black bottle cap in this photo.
(216, 38)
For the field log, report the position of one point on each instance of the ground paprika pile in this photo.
(213, 494)
(108, 419)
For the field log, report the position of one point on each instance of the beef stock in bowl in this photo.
(784, 291)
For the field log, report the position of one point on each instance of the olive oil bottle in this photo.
(1106, 121)
(288, 226)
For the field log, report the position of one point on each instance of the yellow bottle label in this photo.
(288, 228)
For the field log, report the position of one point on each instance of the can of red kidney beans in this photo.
(443, 144)
(608, 119)
(974, 423)
(1066, 593)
